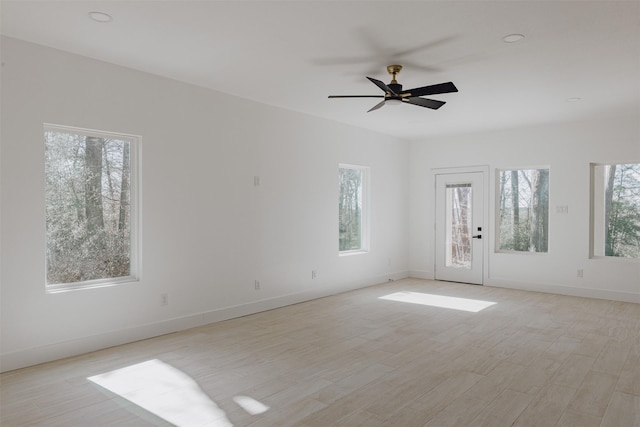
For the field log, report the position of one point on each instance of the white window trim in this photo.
(134, 213)
(364, 220)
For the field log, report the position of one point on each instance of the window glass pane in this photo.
(351, 209)
(523, 210)
(616, 210)
(88, 206)
(458, 225)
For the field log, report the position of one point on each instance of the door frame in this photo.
(487, 229)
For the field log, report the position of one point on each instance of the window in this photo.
(90, 207)
(523, 220)
(352, 209)
(458, 226)
(615, 210)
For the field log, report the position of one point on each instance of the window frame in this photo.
(497, 224)
(364, 211)
(596, 203)
(135, 142)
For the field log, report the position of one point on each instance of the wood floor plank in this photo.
(504, 410)
(289, 415)
(623, 410)
(459, 413)
(576, 419)
(365, 419)
(573, 370)
(613, 357)
(496, 382)
(547, 408)
(629, 381)
(593, 395)
(535, 376)
(441, 395)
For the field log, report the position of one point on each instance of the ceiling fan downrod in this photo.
(394, 85)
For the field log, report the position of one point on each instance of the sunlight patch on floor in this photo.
(250, 405)
(166, 392)
(464, 304)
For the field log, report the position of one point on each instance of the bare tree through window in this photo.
(617, 210)
(88, 206)
(524, 210)
(458, 227)
(351, 209)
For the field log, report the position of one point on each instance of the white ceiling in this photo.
(292, 54)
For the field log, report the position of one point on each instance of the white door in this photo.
(460, 229)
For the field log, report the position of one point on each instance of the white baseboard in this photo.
(421, 274)
(47, 353)
(548, 288)
(398, 275)
(565, 290)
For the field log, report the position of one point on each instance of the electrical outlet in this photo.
(314, 274)
(580, 273)
(164, 299)
(256, 285)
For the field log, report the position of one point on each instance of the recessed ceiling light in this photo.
(100, 17)
(573, 99)
(512, 38)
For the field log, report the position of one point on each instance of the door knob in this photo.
(479, 236)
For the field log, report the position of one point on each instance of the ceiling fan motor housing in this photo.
(396, 87)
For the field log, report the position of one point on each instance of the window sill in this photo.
(522, 253)
(614, 258)
(350, 253)
(89, 284)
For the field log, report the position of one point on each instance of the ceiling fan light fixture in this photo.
(513, 38)
(392, 102)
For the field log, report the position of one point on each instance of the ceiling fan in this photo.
(393, 93)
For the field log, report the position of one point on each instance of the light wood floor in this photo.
(531, 359)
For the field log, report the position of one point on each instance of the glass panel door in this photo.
(459, 251)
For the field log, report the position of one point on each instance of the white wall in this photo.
(207, 232)
(567, 149)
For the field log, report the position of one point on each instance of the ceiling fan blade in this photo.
(423, 102)
(356, 96)
(378, 105)
(425, 46)
(432, 90)
(382, 86)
